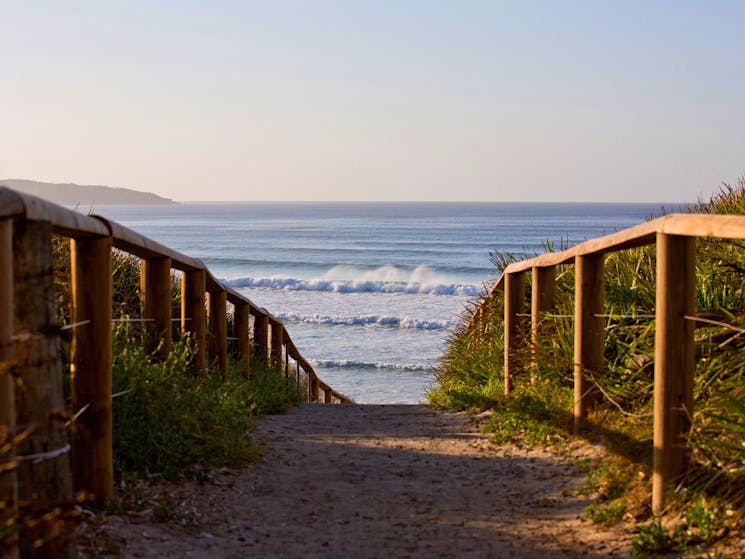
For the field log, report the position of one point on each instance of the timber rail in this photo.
(675, 316)
(27, 315)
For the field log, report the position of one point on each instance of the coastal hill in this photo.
(69, 194)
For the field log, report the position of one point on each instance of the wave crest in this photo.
(350, 286)
(369, 320)
(349, 364)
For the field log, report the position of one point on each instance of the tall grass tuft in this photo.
(171, 422)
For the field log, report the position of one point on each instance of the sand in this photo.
(368, 481)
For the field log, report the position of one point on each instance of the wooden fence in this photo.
(29, 333)
(675, 317)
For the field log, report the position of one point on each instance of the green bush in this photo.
(170, 422)
(167, 420)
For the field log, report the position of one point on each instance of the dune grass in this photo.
(169, 421)
(470, 377)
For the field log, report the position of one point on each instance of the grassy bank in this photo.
(709, 502)
(172, 423)
(167, 420)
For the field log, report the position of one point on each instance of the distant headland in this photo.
(69, 194)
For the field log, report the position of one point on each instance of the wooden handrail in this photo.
(94, 237)
(688, 225)
(130, 241)
(19, 205)
(674, 236)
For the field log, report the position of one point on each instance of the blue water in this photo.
(369, 292)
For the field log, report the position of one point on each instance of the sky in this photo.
(595, 100)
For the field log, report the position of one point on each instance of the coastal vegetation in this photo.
(707, 506)
(167, 420)
(170, 420)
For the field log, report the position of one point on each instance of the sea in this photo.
(369, 292)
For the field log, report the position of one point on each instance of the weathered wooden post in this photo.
(541, 301)
(8, 477)
(241, 331)
(514, 302)
(193, 283)
(261, 336)
(45, 482)
(589, 334)
(328, 396)
(90, 367)
(277, 343)
(674, 362)
(156, 304)
(218, 339)
(314, 388)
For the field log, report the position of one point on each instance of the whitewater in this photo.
(369, 292)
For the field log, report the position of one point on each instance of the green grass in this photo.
(171, 422)
(470, 377)
(167, 420)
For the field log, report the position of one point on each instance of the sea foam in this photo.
(355, 286)
(350, 364)
(369, 320)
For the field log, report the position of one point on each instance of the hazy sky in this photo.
(371, 100)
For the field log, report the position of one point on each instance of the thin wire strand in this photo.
(42, 456)
(122, 393)
(74, 325)
(132, 320)
(75, 417)
(715, 323)
(624, 315)
(732, 338)
(550, 315)
(620, 408)
(545, 315)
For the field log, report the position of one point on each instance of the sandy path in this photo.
(374, 481)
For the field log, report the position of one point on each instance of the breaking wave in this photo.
(348, 364)
(351, 286)
(370, 320)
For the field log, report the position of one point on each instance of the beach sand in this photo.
(369, 481)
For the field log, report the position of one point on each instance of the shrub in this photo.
(170, 422)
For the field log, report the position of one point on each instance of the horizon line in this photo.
(678, 203)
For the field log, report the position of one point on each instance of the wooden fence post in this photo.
(44, 483)
(261, 337)
(541, 302)
(328, 396)
(91, 360)
(514, 302)
(589, 334)
(218, 339)
(674, 362)
(314, 388)
(193, 283)
(277, 342)
(240, 331)
(8, 477)
(156, 304)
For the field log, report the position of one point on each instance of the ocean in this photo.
(369, 291)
